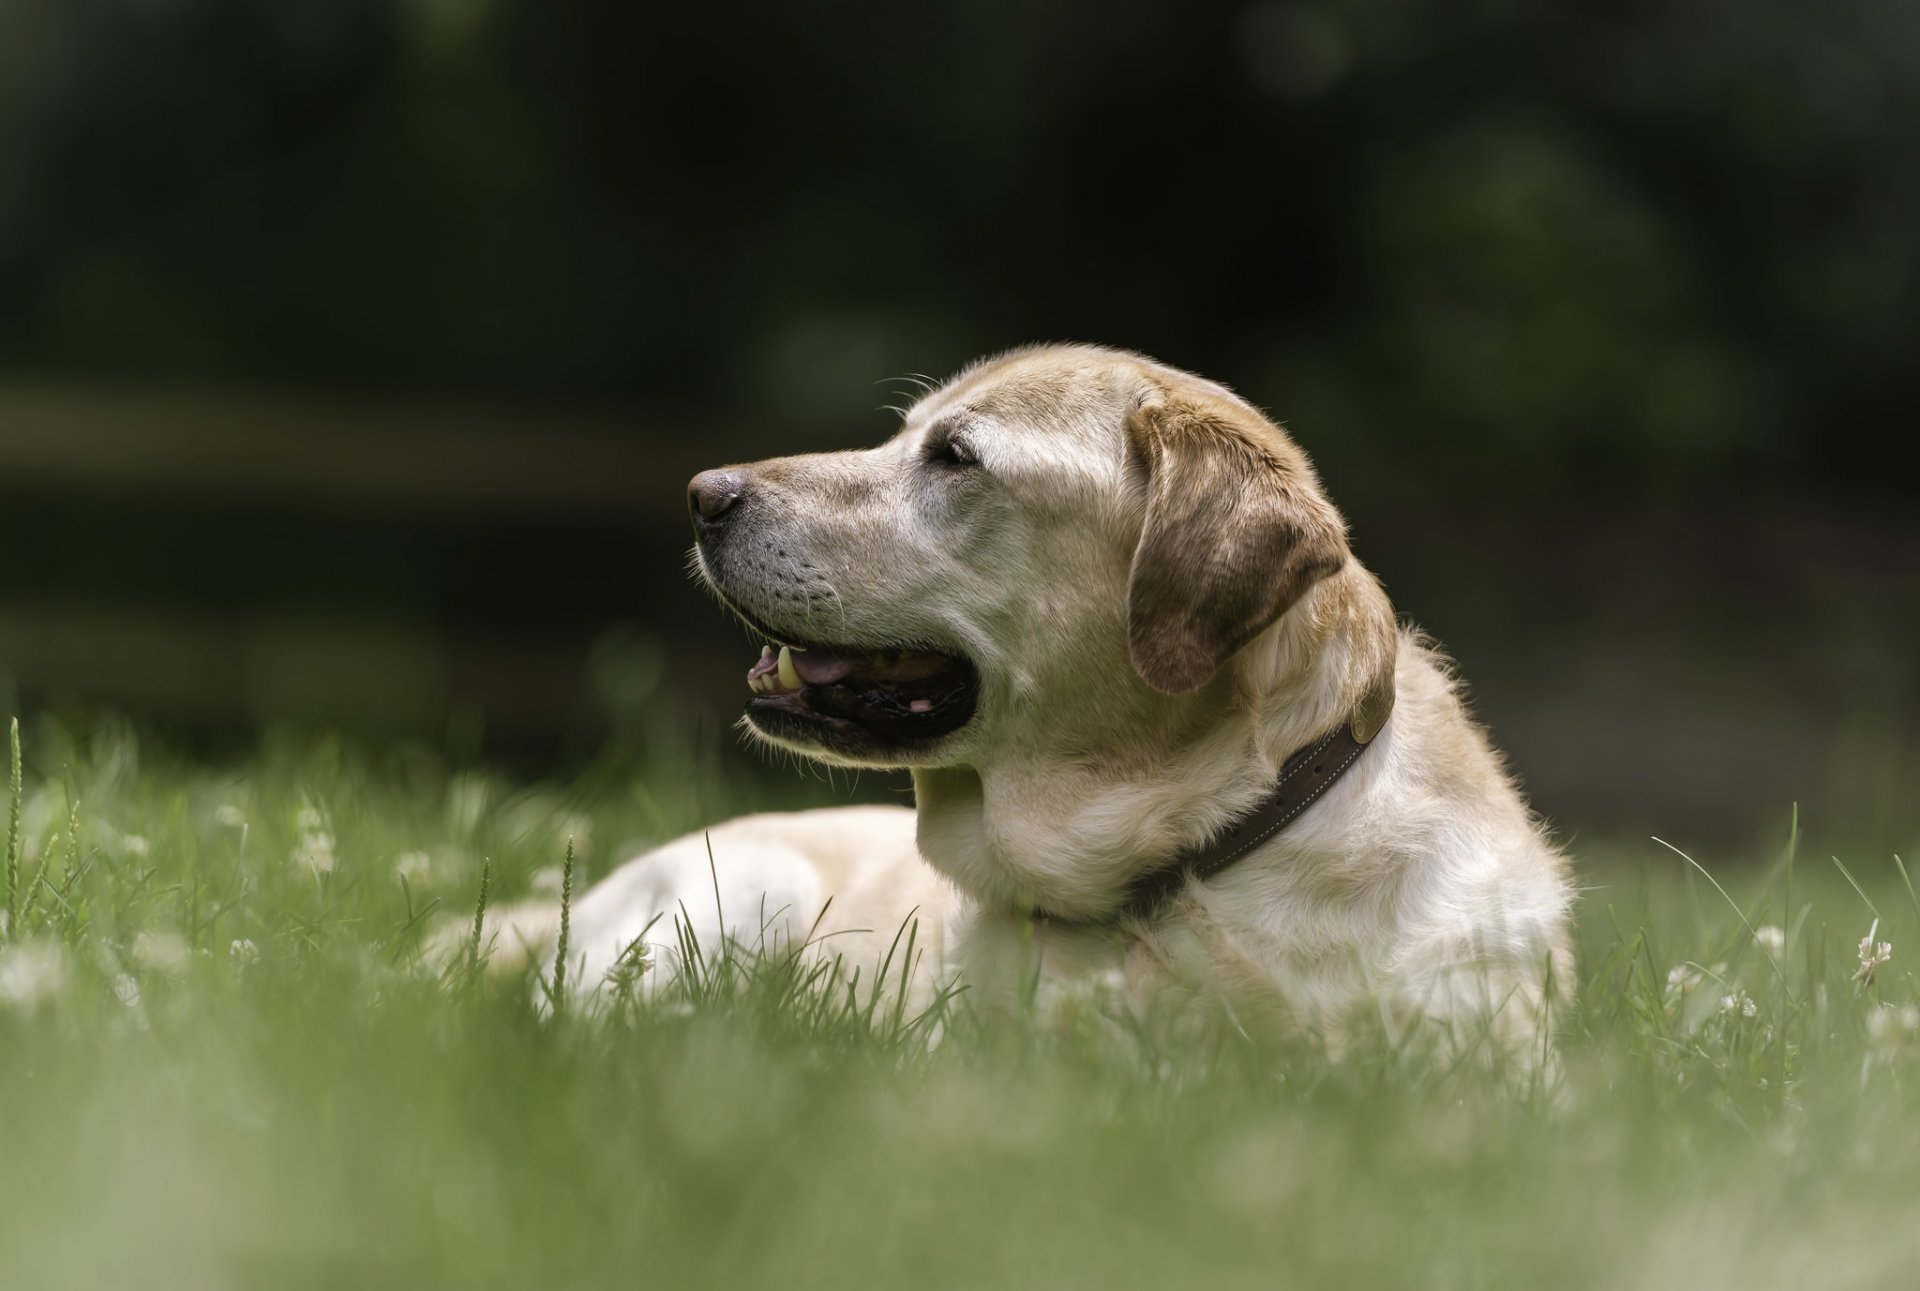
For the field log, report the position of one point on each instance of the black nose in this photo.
(711, 495)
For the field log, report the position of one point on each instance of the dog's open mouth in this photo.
(898, 696)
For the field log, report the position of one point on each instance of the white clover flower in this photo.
(135, 846)
(243, 950)
(316, 849)
(319, 849)
(1888, 1025)
(415, 867)
(32, 974)
(308, 820)
(1772, 939)
(126, 989)
(229, 816)
(1872, 955)
(1739, 1003)
(1683, 979)
(162, 952)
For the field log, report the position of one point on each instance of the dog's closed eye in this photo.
(952, 450)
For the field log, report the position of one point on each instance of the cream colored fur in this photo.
(1419, 888)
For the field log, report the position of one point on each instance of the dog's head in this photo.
(1058, 542)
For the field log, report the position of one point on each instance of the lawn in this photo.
(224, 1063)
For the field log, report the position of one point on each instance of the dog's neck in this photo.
(1042, 829)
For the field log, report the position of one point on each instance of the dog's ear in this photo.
(1236, 531)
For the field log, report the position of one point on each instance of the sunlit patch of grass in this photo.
(225, 1060)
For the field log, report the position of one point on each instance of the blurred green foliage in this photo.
(1668, 235)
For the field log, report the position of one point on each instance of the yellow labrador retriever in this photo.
(1164, 730)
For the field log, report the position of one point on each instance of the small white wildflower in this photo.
(1872, 955)
(547, 882)
(161, 952)
(243, 950)
(135, 846)
(1683, 979)
(308, 820)
(126, 989)
(316, 849)
(1739, 1003)
(230, 816)
(1772, 939)
(32, 974)
(415, 867)
(1889, 1024)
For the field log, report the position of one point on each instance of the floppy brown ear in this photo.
(1237, 530)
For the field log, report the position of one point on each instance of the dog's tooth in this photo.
(789, 676)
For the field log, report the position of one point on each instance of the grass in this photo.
(223, 1064)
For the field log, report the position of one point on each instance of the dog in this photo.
(1104, 612)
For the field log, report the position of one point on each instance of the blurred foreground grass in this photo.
(222, 1065)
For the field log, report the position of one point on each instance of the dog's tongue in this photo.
(791, 668)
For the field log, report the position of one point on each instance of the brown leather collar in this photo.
(1306, 774)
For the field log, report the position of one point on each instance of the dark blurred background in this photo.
(354, 353)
